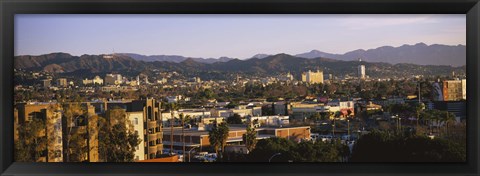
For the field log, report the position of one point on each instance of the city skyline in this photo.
(244, 35)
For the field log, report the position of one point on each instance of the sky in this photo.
(238, 36)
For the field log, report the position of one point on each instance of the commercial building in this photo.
(95, 81)
(112, 88)
(113, 79)
(62, 82)
(302, 111)
(240, 110)
(199, 138)
(361, 72)
(454, 90)
(459, 108)
(312, 77)
(271, 121)
(46, 83)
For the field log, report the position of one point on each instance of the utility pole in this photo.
(171, 132)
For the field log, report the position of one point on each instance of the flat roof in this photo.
(195, 132)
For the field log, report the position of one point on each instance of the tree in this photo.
(218, 136)
(420, 107)
(31, 143)
(122, 143)
(75, 116)
(448, 118)
(235, 119)
(380, 146)
(171, 107)
(117, 142)
(250, 137)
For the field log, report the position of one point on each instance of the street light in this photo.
(189, 152)
(348, 126)
(274, 155)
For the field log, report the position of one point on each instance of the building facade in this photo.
(313, 77)
(454, 90)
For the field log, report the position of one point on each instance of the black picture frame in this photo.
(8, 8)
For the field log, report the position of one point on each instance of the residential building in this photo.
(86, 124)
(136, 125)
(52, 115)
(153, 127)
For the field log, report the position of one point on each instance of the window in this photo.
(136, 121)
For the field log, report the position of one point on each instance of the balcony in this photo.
(152, 124)
(152, 137)
(159, 148)
(152, 149)
(159, 135)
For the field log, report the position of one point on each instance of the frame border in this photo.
(8, 8)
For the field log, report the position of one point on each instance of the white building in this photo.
(136, 125)
(361, 72)
(113, 79)
(271, 121)
(97, 80)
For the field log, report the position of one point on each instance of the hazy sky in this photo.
(239, 36)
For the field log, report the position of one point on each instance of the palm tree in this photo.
(419, 109)
(182, 120)
(448, 117)
(426, 116)
(437, 116)
(250, 137)
(171, 107)
(218, 136)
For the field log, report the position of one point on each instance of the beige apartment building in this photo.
(312, 77)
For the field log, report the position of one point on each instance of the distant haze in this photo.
(233, 36)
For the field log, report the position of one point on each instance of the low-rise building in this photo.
(199, 138)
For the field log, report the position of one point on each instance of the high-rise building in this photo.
(454, 90)
(152, 126)
(51, 115)
(312, 77)
(464, 89)
(136, 125)
(85, 124)
(361, 72)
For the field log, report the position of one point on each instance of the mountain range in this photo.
(420, 53)
(89, 65)
(174, 58)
